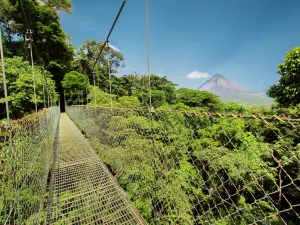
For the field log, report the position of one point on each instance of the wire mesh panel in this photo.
(194, 168)
(84, 191)
(26, 159)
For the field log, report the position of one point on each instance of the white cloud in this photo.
(198, 75)
(114, 47)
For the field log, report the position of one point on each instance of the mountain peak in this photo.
(230, 91)
(219, 83)
(218, 76)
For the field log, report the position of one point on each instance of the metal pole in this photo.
(4, 80)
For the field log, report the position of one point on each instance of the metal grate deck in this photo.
(84, 191)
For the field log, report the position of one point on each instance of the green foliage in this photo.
(129, 102)
(75, 86)
(158, 98)
(293, 112)
(64, 5)
(163, 84)
(20, 87)
(100, 98)
(193, 169)
(287, 91)
(86, 56)
(177, 106)
(52, 44)
(195, 98)
(232, 107)
(132, 83)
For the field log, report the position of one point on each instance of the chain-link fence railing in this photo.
(195, 168)
(26, 159)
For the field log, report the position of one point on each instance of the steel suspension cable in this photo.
(33, 47)
(94, 81)
(4, 81)
(47, 87)
(109, 74)
(33, 75)
(148, 53)
(44, 94)
(103, 46)
(110, 31)
(9, 129)
(86, 91)
(155, 213)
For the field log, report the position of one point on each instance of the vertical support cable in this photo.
(47, 88)
(32, 67)
(148, 52)
(8, 125)
(4, 81)
(48, 99)
(109, 75)
(44, 91)
(151, 118)
(94, 81)
(33, 79)
(86, 90)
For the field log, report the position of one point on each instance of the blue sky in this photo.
(243, 40)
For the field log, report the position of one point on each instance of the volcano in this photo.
(230, 91)
(219, 83)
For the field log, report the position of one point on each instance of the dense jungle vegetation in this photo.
(177, 167)
(182, 168)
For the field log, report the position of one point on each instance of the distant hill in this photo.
(232, 92)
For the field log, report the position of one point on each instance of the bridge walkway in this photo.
(83, 189)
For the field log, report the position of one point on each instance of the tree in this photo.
(129, 102)
(233, 107)
(64, 5)
(100, 98)
(86, 56)
(48, 38)
(20, 87)
(130, 83)
(287, 91)
(158, 98)
(75, 85)
(163, 84)
(6, 17)
(195, 98)
(81, 63)
(92, 49)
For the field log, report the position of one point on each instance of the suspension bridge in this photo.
(99, 165)
(144, 167)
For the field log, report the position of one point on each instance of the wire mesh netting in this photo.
(26, 159)
(194, 168)
(84, 191)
